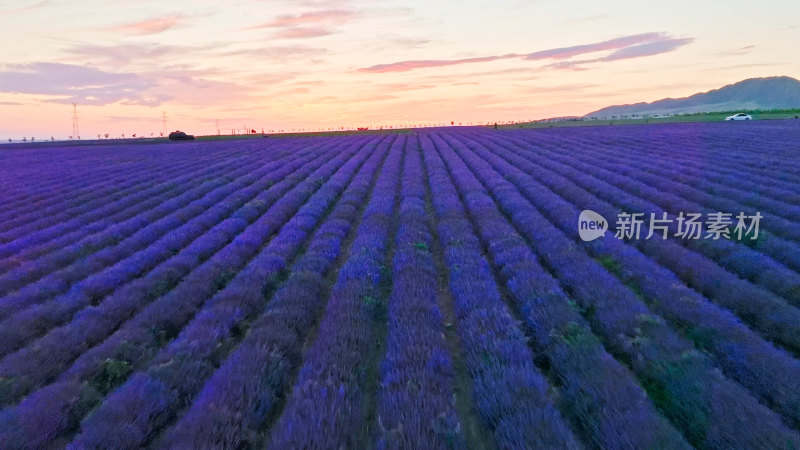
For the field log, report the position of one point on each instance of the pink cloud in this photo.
(406, 86)
(86, 85)
(630, 52)
(626, 47)
(279, 53)
(334, 16)
(127, 53)
(611, 44)
(307, 25)
(302, 33)
(150, 26)
(325, 17)
(738, 51)
(405, 66)
(648, 49)
(30, 7)
(75, 84)
(568, 65)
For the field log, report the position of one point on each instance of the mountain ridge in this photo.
(779, 92)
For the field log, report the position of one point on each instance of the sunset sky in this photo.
(276, 64)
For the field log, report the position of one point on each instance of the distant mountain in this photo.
(754, 93)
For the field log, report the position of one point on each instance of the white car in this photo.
(740, 116)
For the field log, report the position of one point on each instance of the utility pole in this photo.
(75, 129)
(164, 123)
(218, 127)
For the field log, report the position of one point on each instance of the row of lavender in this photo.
(708, 328)
(148, 312)
(36, 173)
(107, 270)
(94, 290)
(49, 267)
(597, 394)
(83, 186)
(744, 355)
(136, 411)
(241, 397)
(704, 265)
(779, 236)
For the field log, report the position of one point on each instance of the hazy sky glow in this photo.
(276, 64)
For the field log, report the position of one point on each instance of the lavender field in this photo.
(421, 290)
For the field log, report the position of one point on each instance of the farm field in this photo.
(420, 290)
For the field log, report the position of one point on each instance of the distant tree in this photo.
(70, 138)
(123, 135)
(24, 139)
(9, 139)
(106, 135)
(33, 138)
(52, 139)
